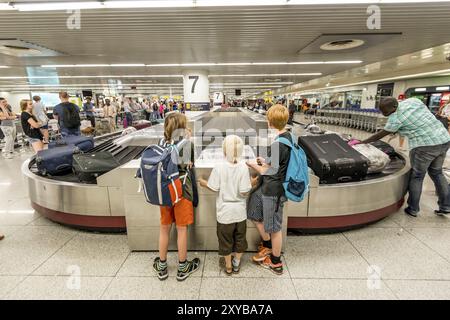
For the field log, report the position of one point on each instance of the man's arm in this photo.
(377, 136)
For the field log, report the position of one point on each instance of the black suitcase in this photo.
(385, 147)
(56, 161)
(89, 166)
(333, 160)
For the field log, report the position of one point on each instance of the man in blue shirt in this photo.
(429, 142)
(68, 116)
(88, 108)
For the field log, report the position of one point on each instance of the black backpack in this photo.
(71, 117)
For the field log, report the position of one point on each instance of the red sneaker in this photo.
(275, 268)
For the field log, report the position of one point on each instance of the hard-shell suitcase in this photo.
(83, 143)
(333, 160)
(57, 161)
(385, 147)
(89, 166)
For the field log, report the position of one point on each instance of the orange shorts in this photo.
(182, 213)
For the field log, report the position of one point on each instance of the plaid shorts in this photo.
(266, 209)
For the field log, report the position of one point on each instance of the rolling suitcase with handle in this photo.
(57, 161)
(89, 166)
(333, 160)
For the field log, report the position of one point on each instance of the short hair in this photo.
(64, 95)
(278, 116)
(233, 147)
(24, 104)
(2, 99)
(388, 103)
(36, 98)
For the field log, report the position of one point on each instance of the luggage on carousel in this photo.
(378, 160)
(83, 143)
(385, 147)
(333, 160)
(142, 124)
(102, 126)
(56, 161)
(89, 166)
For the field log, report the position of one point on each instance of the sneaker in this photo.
(408, 211)
(262, 254)
(189, 268)
(236, 265)
(161, 272)
(275, 268)
(441, 213)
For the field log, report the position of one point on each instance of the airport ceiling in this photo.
(237, 41)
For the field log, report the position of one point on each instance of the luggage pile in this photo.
(333, 160)
(71, 155)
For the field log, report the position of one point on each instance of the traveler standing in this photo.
(41, 115)
(444, 115)
(161, 110)
(265, 206)
(147, 110)
(88, 108)
(68, 116)
(31, 126)
(7, 125)
(230, 179)
(128, 112)
(110, 113)
(182, 213)
(292, 108)
(429, 142)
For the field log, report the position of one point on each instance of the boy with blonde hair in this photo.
(231, 179)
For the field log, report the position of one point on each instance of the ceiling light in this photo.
(5, 6)
(128, 65)
(442, 88)
(49, 6)
(4, 67)
(267, 75)
(421, 89)
(149, 4)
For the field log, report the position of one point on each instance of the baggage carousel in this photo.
(101, 206)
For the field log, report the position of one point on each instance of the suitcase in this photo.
(333, 160)
(142, 124)
(57, 161)
(378, 160)
(385, 147)
(83, 143)
(89, 166)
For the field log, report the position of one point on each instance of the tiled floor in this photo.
(397, 258)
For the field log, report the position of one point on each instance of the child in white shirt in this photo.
(231, 180)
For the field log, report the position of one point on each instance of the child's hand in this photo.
(203, 182)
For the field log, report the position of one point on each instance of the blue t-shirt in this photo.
(58, 110)
(89, 108)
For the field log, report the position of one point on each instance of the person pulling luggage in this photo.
(429, 142)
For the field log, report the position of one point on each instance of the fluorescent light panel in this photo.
(202, 64)
(442, 88)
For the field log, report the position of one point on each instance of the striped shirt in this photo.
(414, 120)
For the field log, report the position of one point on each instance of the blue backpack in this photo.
(296, 185)
(160, 176)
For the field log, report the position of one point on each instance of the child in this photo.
(182, 213)
(231, 179)
(265, 207)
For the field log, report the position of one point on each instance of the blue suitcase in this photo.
(57, 161)
(83, 143)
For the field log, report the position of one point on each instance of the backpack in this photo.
(71, 117)
(159, 175)
(296, 185)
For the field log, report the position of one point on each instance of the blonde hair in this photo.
(24, 104)
(278, 116)
(174, 121)
(233, 147)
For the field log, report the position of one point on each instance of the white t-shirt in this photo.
(230, 180)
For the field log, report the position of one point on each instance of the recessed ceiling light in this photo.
(345, 44)
(4, 67)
